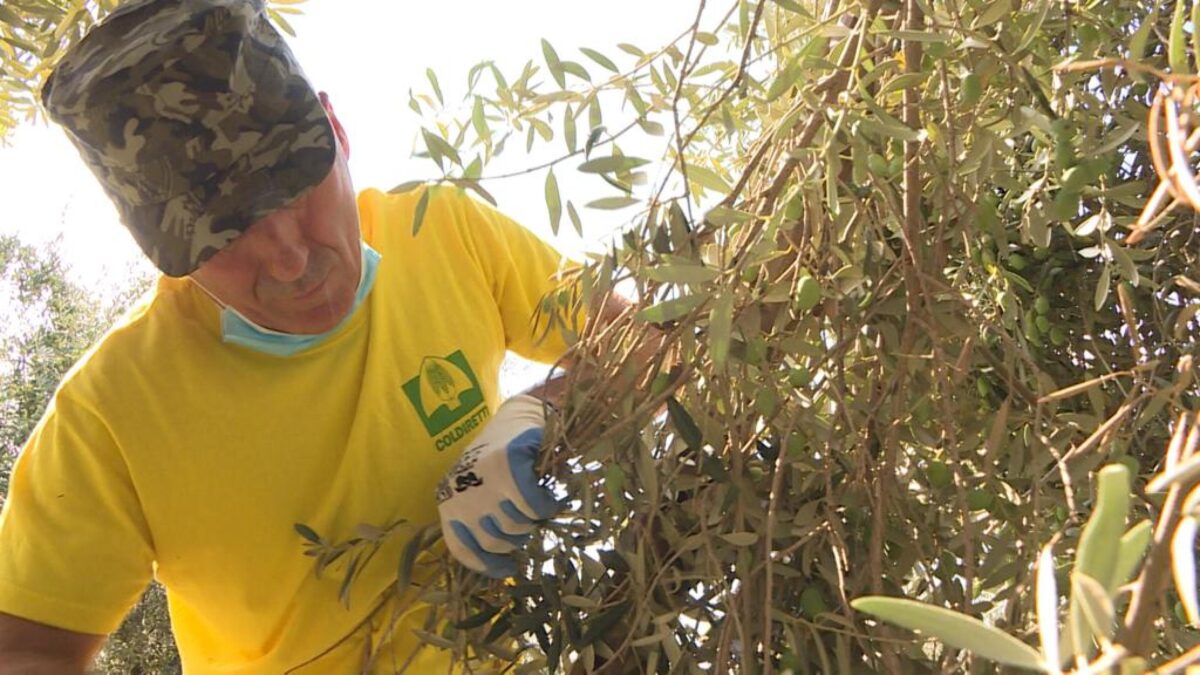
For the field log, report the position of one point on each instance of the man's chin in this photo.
(322, 319)
(315, 323)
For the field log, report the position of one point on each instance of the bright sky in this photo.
(367, 59)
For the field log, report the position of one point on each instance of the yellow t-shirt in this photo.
(166, 451)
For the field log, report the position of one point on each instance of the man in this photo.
(305, 359)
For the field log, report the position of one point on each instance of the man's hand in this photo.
(30, 648)
(491, 499)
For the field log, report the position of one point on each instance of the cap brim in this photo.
(179, 234)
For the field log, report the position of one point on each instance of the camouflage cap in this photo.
(196, 120)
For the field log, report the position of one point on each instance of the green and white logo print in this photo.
(446, 395)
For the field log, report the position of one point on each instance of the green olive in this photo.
(1017, 262)
(1065, 204)
(922, 412)
(766, 402)
(971, 89)
(1043, 324)
(659, 384)
(1098, 166)
(1075, 178)
(794, 209)
(983, 387)
(877, 164)
(987, 216)
(795, 444)
(756, 351)
(812, 602)
(1042, 304)
(799, 377)
(1088, 35)
(808, 293)
(1058, 336)
(979, 499)
(938, 475)
(1029, 318)
(1064, 152)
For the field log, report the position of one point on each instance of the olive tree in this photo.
(916, 372)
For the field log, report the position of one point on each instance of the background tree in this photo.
(49, 322)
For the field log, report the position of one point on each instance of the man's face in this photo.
(297, 269)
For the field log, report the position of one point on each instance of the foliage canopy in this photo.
(889, 243)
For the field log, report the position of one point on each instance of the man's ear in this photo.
(338, 130)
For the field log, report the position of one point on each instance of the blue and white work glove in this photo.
(491, 499)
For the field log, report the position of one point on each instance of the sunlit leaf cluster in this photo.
(34, 34)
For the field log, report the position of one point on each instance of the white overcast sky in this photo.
(366, 54)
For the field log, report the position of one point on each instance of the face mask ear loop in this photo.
(362, 265)
(209, 293)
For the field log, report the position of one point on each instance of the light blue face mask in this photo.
(237, 329)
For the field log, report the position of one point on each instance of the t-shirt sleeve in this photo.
(526, 280)
(75, 551)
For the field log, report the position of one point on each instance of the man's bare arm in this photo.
(31, 648)
(554, 389)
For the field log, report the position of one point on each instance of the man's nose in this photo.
(284, 248)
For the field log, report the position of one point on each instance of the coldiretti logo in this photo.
(444, 393)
